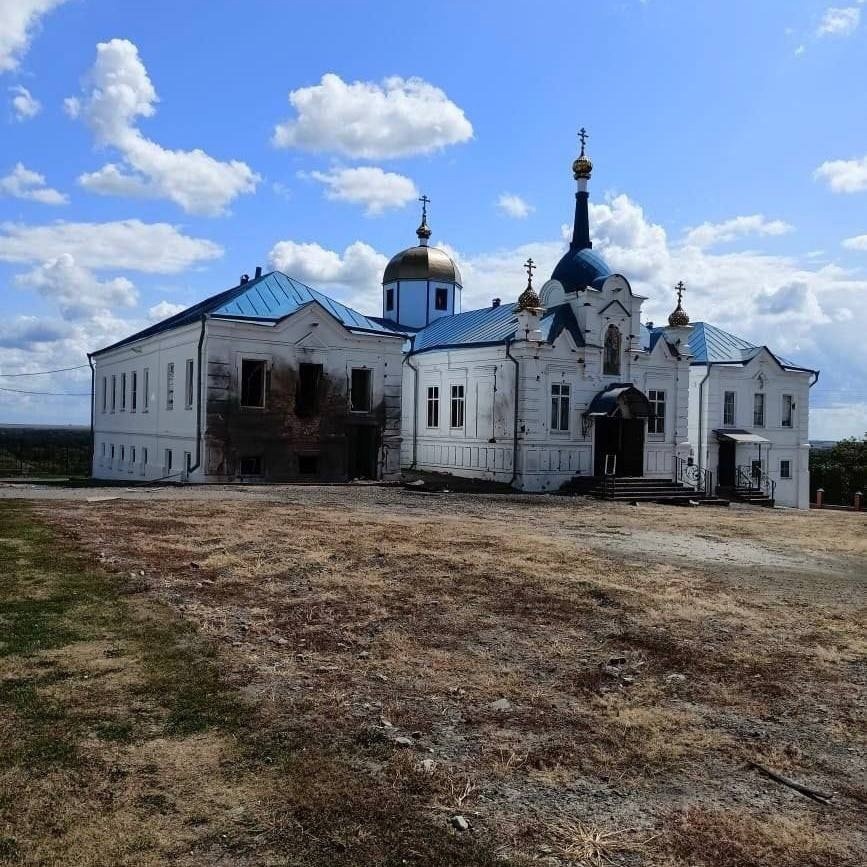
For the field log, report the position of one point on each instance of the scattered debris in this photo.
(460, 823)
(501, 705)
(821, 797)
(404, 741)
(675, 677)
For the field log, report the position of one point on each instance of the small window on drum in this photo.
(389, 299)
(441, 299)
(251, 465)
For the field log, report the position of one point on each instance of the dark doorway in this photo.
(726, 466)
(363, 447)
(623, 438)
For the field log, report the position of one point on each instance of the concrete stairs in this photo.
(743, 494)
(644, 490)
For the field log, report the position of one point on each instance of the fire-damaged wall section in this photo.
(303, 399)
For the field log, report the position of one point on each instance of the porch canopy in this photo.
(739, 436)
(622, 400)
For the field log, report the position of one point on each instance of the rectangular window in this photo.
(433, 406)
(113, 392)
(389, 299)
(103, 449)
(122, 454)
(170, 385)
(188, 461)
(112, 452)
(785, 469)
(656, 422)
(441, 299)
(359, 390)
(560, 406)
(104, 394)
(309, 386)
(133, 391)
(729, 409)
(168, 460)
(144, 457)
(457, 416)
(758, 410)
(132, 454)
(252, 382)
(787, 410)
(251, 465)
(146, 390)
(189, 381)
(123, 392)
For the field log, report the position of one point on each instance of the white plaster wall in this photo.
(415, 301)
(152, 427)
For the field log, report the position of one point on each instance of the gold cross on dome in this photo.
(529, 267)
(681, 288)
(583, 136)
(424, 203)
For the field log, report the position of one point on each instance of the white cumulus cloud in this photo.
(353, 277)
(708, 234)
(514, 206)
(18, 20)
(117, 93)
(370, 186)
(859, 242)
(22, 183)
(844, 176)
(363, 119)
(24, 104)
(157, 248)
(76, 290)
(839, 21)
(163, 310)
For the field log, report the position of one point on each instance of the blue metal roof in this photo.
(712, 345)
(268, 298)
(492, 325)
(580, 268)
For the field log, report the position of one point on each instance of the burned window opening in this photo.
(308, 465)
(252, 382)
(359, 390)
(309, 385)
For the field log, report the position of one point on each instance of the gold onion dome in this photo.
(529, 298)
(582, 167)
(678, 316)
(423, 231)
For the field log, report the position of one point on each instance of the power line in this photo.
(43, 372)
(49, 393)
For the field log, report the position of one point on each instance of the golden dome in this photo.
(678, 317)
(581, 168)
(529, 300)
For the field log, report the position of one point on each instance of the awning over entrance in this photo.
(622, 400)
(739, 436)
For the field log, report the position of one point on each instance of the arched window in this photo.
(611, 353)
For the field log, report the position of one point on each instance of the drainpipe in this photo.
(92, 401)
(517, 393)
(702, 452)
(414, 409)
(198, 462)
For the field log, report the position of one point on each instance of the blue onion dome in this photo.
(579, 269)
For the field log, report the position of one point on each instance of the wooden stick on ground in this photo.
(821, 797)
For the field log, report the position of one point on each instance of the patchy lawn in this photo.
(348, 680)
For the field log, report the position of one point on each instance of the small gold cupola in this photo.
(582, 167)
(678, 316)
(529, 298)
(423, 231)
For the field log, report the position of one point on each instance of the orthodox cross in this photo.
(424, 203)
(529, 267)
(582, 135)
(680, 290)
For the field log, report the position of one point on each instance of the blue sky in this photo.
(150, 153)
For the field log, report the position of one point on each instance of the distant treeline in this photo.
(841, 471)
(44, 451)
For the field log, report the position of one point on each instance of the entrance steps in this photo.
(751, 495)
(638, 489)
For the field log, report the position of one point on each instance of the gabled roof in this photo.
(492, 325)
(712, 345)
(266, 299)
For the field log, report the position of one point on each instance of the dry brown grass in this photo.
(636, 687)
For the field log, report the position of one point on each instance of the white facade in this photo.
(763, 399)
(483, 426)
(172, 406)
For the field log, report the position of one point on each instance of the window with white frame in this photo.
(253, 382)
(611, 351)
(758, 410)
(433, 406)
(132, 454)
(656, 422)
(133, 391)
(168, 460)
(560, 393)
(785, 469)
(104, 394)
(788, 407)
(113, 392)
(112, 452)
(457, 406)
(170, 385)
(122, 454)
(144, 456)
(189, 381)
(123, 392)
(146, 390)
(360, 398)
(729, 399)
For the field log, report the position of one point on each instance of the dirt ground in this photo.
(542, 679)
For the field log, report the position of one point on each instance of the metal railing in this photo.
(756, 478)
(693, 476)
